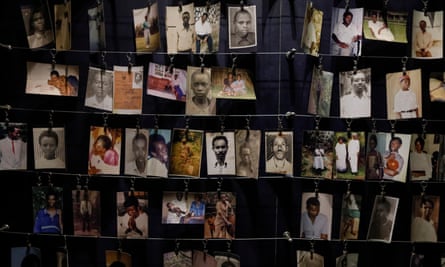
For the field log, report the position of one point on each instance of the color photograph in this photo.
(350, 216)
(62, 15)
(316, 216)
(13, 146)
(207, 20)
(320, 93)
(86, 212)
(437, 86)
(180, 31)
(350, 155)
(44, 79)
(105, 149)
(346, 31)
(425, 218)
(313, 20)
(183, 208)
(427, 34)
(309, 259)
(167, 83)
(186, 152)
(229, 85)
(47, 203)
(96, 25)
(132, 214)
(383, 218)
(317, 154)
(146, 27)
(389, 28)
(159, 144)
(424, 150)
(220, 215)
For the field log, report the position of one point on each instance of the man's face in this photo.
(101, 85)
(422, 25)
(161, 152)
(200, 84)
(245, 155)
(243, 23)
(372, 144)
(427, 210)
(381, 212)
(359, 83)
(179, 196)
(203, 18)
(347, 20)
(404, 84)
(38, 21)
(313, 211)
(279, 147)
(185, 18)
(220, 148)
(48, 146)
(418, 147)
(374, 18)
(395, 145)
(51, 201)
(132, 211)
(14, 134)
(140, 149)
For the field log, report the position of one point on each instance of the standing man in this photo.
(203, 30)
(423, 41)
(278, 162)
(358, 103)
(185, 35)
(200, 103)
(405, 100)
(353, 153)
(346, 36)
(139, 163)
(313, 223)
(13, 150)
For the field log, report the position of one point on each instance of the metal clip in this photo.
(221, 124)
(404, 61)
(53, 53)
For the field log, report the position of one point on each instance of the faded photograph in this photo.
(347, 260)
(313, 20)
(355, 93)
(279, 152)
(350, 216)
(242, 27)
(437, 86)
(230, 85)
(181, 258)
(13, 146)
(99, 92)
(309, 259)
(383, 218)
(25, 256)
(389, 27)
(96, 25)
(427, 34)
(49, 148)
(166, 82)
(127, 89)
(220, 215)
(136, 152)
(424, 151)
(116, 258)
(226, 259)
(86, 212)
(395, 157)
(200, 100)
(317, 154)
(180, 31)
(425, 218)
(220, 151)
(346, 31)
(62, 16)
(316, 216)
(37, 25)
(207, 20)
(44, 79)
(186, 152)
(105, 149)
(146, 27)
(132, 214)
(320, 93)
(248, 146)
(350, 155)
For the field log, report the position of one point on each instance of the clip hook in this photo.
(53, 53)
(404, 61)
(423, 185)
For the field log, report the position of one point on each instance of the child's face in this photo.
(48, 146)
(395, 145)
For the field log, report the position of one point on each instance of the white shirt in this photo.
(106, 104)
(10, 160)
(352, 106)
(203, 28)
(405, 102)
(420, 162)
(156, 168)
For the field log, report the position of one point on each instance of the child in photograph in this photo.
(48, 144)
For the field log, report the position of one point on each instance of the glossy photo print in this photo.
(349, 155)
(355, 93)
(317, 154)
(207, 26)
(96, 26)
(389, 27)
(37, 25)
(159, 143)
(279, 152)
(220, 215)
(105, 150)
(200, 100)
(437, 86)
(44, 79)
(220, 151)
(395, 157)
(383, 218)
(248, 146)
(242, 27)
(350, 216)
(316, 216)
(166, 82)
(132, 214)
(47, 209)
(62, 17)
(146, 27)
(99, 92)
(230, 85)
(86, 212)
(309, 259)
(13, 146)
(320, 93)
(423, 151)
(127, 89)
(425, 218)
(49, 148)
(183, 208)
(346, 31)
(180, 31)
(427, 34)
(313, 20)
(136, 152)
(186, 152)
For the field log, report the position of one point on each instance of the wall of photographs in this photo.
(319, 120)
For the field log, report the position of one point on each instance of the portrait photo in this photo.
(13, 146)
(49, 148)
(96, 27)
(99, 91)
(316, 216)
(347, 260)
(180, 28)
(146, 27)
(313, 20)
(395, 156)
(404, 95)
(62, 17)
(220, 215)
(279, 152)
(43, 79)
(200, 100)
(207, 25)
(186, 152)
(425, 218)
(86, 212)
(183, 208)
(229, 85)
(226, 259)
(158, 152)
(136, 152)
(25, 256)
(105, 150)
(220, 151)
(355, 93)
(117, 258)
(320, 93)
(127, 89)
(309, 259)
(427, 34)
(248, 146)
(47, 203)
(437, 86)
(424, 151)
(346, 31)
(37, 25)
(383, 218)
(389, 27)
(132, 214)
(242, 26)
(350, 155)
(350, 216)
(177, 258)
(317, 154)
(166, 83)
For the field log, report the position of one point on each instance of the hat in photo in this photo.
(404, 77)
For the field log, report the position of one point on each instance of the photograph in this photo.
(437, 86)
(117, 258)
(347, 260)
(220, 151)
(158, 152)
(132, 214)
(49, 148)
(47, 203)
(355, 93)
(316, 216)
(226, 259)
(229, 85)
(200, 100)
(13, 146)
(136, 152)
(220, 215)
(96, 26)
(383, 218)
(62, 17)
(180, 30)
(346, 31)
(242, 27)
(389, 27)
(25, 256)
(279, 152)
(395, 157)
(320, 93)
(127, 89)
(423, 149)
(350, 216)
(37, 25)
(350, 155)
(417, 260)
(86, 212)
(425, 218)
(317, 154)
(309, 259)
(183, 208)
(186, 152)
(375, 149)
(146, 27)
(180, 258)
(427, 34)
(99, 91)
(439, 161)
(404, 95)
(203, 259)
(206, 23)
(247, 146)
(313, 20)
(166, 83)
(105, 150)
(44, 79)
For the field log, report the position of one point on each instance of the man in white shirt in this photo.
(423, 41)
(357, 104)
(13, 150)
(379, 29)
(405, 100)
(102, 84)
(185, 34)
(203, 30)
(345, 37)
(353, 153)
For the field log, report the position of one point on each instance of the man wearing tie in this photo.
(12, 150)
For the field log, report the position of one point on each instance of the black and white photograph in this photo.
(425, 218)
(437, 86)
(383, 218)
(136, 152)
(320, 93)
(427, 34)
(346, 31)
(96, 25)
(49, 148)
(279, 152)
(57, 80)
(242, 27)
(316, 216)
(220, 151)
(309, 259)
(347, 260)
(424, 150)
(99, 92)
(248, 146)
(37, 25)
(355, 93)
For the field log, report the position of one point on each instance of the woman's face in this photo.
(38, 21)
(51, 201)
(99, 147)
(48, 146)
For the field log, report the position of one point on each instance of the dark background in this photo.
(265, 207)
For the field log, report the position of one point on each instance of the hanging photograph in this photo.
(404, 95)
(421, 156)
(180, 31)
(25, 256)
(425, 218)
(309, 259)
(200, 100)
(350, 216)
(86, 212)
(220, 151)
(279, 152)
(203, 259)
(132, 214)
(99, 92)
(316, 216)
(395, 157)
(226, 259)
(220, 215)
(158, 152)
(146, 27)
(350, 155)
(136, 152)
(44, 79)
(127, 93)
(355, 93)
(183, 208)
(186, 152)
(383, 218)
(105, 150)
(117, 258)
(180, 258)
(229, 85)
(346, 29)
(49, 148)
(96, 25)
(242, 27)
(347, 260)
(387, 27)
(47, 204)
(166, 82)
(13, 146)
(248, 146)
(437, 86)
(439, 160)
(37, 26)
(320, 93)
(62, 15)
(313, 20)
(317, 154)
(427, 34)
(206, 23)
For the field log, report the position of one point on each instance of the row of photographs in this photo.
(179, 152)
(197, 29)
